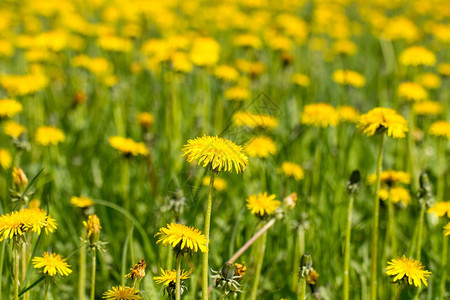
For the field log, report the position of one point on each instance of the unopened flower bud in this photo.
(305, 265)
(290, 201)
(93, 229)
(20, 179)
(354, 182)
(145, 120)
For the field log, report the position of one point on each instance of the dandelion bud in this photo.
(20, 179)
(305, 265)
(425, 192)
(312, 278)
(240, 270)
(137, 273)
(145, 120)
(227, 271)
(93, 229)
(290, 201)
(354, 182)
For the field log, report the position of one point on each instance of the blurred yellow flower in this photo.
(300, 79)
(183, 238)
(440, 209)
(348, 77)
(145, 119)
(447, 229)
(237, 93)
(409, 269)
(428, 108)
(348, 114)
(226, 73)
(9, 108)
(430, 80)
(395, 195)
(319, 115)
(53, 264)
(122, 293)
(247, 40)
(444, 69)
(260, 146)
(115, 44)
(81, 202)
(219, 183)
(96, 65)
(400, 28)
(20, 85)
(205, 51)
(344, 47)
(262, 204)
(440, 129)
(13, 129)
(390, 177)
(181, 62)
(410, 91)
(49, 135)
(417, 56)
(293, 170)
(251, 120)
(380, 120)
(5, 158)
(127, 146)
(167, 276)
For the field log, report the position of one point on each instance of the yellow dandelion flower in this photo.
(219, 183)
(344, 47)
(183, 238)
(428, 108)
(292, 170)
(300, 79)
(440, 209)
(181, 62)
(407, 268)
(13, 129)
(122, 293)
(93, 227)
(138, 271)
(447, 229)
(430, 80)
(390, 177)
(262, 204)
(247, 40)
(411, 92)
(444, 69)
(380, 119)
(347, 114)
(115, 44)
(417, 56)
(320, 115)
(167, 276)
(226, 73)
(49, 135)
(20, 85)
(53, 264)
(9, 108)
(205, 51)
(348, 77)
(219, 153)
(237, 93)
(127, 146)
(5, 159)
(145, 119)
(251, 120)
(81, 202)
(395, 195)
(440, 129)
(260, 146)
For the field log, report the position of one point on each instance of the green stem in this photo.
(299, 250)
(420, 230)
(24, 267)
(82, 270)
(46, 285)
(2, 254)
(317, 162)
(441, 168)
(399, 291)
(259, 264)
(347, 248)
(16, 272)
(302, 289)
(376, 212)
(391, 227)
(412, 148)
(125, 181)
(444, 266)
(177, 282)
(94, 250)
(206, 231)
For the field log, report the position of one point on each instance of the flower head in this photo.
(411, 92)
(390, 177)
(127, 146)
(122, 293)
(262, 204)
(293, 170)
(428, 108)
(251, 120)
(226, 73)
(19, 178)
(347, 114)
(168, 276)
(9, 108)
(219, 153)
(300, 79)
(440, 129)
(183, 238)
(145, 119)
(349, 77)
(81, 202)
(92, 226)
(440, 209)
(138, 271)
(13, 129)
(395, 195)
(5, 158)
(430, 80)
(53, 264)
(219, 183)
(409, 269)
(380, 119)
(447, 229)
(417, 56)
(17, 223)
(319, 115)
(49, 135)
(444, 69)
(260, 146)
(237, 93)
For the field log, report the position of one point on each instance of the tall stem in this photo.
(399, 290)
(82, 269)
(207, 226)
(317, 163)
(444, 266)
(177, 282)
(391, 227)
(376, 212)
(16, 271)
(259, 263)
(302, 289)
(347, 248)
(412, 148)
(24, 267)
(125, 181)
(46, 285)
(2, 253)
(420, 230)
(441, 168)
(94, 250)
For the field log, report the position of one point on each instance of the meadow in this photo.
(253, 149)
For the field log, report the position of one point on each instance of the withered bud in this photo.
(93, 229)
(138, 271)
(20, 179)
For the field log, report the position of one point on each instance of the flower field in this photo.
(250, 149)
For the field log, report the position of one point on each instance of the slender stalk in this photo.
(16, 271)
(348, 233)
(302, 289)
(94, 252)
(444, 266)
(391, 227)
(412, 148)
(298, 251)
(420, 230)
(177, 282)
(441, 168)
(24, 267)
(2, 254)
(125, 180)
(46, 285)
(317, 163)
(206, 231)
(82, 269)
(259, 263)
(399, 291)
(376, 212)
